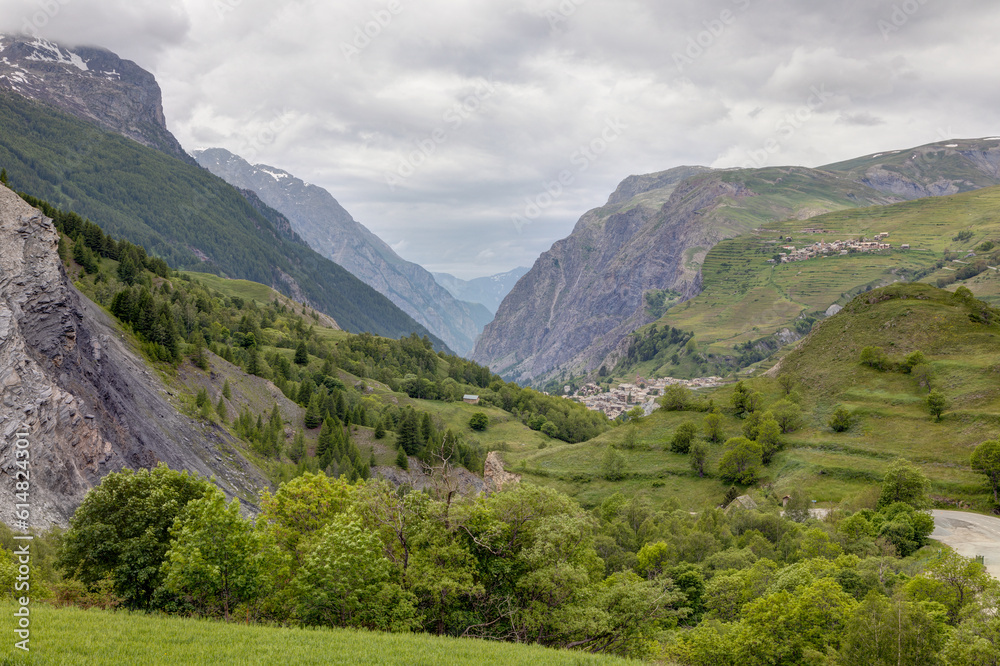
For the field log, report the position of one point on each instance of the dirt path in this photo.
(970, 534)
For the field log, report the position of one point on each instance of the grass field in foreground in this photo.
(68, 636)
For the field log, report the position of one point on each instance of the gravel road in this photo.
(970, 534)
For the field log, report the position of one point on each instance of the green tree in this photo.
(122, 530)
(904, 483)
(313, 419)
(788, 415)
(127, 269)
(986, 460)
(713, 427)
(676, 398)
(841, 419)
(798, 505)
(379, 429)
(479, 421)
(215, 557)
(742, 461)
(300, 508)
(787, 383)
(631, 439)
(883, 632)
(301, 354)
(613, 464)
(912, 360)
(936, 403)
(683, 437)
(769, 437)
(699, 457)
(744, 399)
(402, 461)
(3, 177)
(222, 410)
(297, 451)
(227, 391)
(346, 581)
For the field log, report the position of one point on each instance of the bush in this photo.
(841, 420)
(613, 464)
(676, 398)
(742, 462)
(683, 437)
(875, 358)
(479, 421)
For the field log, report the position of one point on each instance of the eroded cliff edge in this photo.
(71, 381)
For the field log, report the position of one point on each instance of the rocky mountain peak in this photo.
(91, 83)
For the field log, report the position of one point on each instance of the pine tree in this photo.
(301, 354)
(3, 177)
(401, 460)
(380, 429)
(221, 410)
(313, 419)
(297, 450)
(227, 391)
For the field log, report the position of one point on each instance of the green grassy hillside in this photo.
(746, 299)
(177, 211)
(889, 411)
(68, 636)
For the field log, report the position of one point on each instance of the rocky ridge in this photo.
(90, 83)
(328, 228)
(89, 404)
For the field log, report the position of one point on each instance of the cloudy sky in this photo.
(470, 135)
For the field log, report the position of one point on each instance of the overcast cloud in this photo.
(446, 128)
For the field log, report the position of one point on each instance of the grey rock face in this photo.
(89, 404)
(330, 230)
(90, 83)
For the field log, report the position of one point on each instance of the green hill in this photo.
(958, 337)
(746, 300)
(179, 212)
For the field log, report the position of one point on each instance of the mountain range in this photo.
(487, 291)
(575, 308)
(85, 130)
(330, 230)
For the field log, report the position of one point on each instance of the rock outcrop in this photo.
(495, 476)
(88, 403)
(91, 83)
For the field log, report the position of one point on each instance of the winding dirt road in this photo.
(970, 534)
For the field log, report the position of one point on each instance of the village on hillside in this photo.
(627, 396)
(837, 247)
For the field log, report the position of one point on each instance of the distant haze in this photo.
(471, 135)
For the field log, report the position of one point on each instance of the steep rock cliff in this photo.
(89, 404)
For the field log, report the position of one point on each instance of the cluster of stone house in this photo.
(821, 249)
(643, 392)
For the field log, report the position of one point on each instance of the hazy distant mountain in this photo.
(489, 291)
(92, 84)
(330, 230)
(585, 294)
